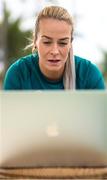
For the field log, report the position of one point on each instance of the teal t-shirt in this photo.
(25, 74)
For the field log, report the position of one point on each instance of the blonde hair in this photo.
(58, 13)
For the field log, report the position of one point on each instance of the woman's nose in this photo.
(55, 49)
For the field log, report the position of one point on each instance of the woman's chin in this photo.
(55, 67)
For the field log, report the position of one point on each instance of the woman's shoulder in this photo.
(88, 73)
(84, 66)
(19, 71)
(23, 63)
(80, 61)
(26, 60)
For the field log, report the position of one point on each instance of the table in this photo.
(53, 173)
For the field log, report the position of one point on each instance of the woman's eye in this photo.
(47, 42)
(63, 43)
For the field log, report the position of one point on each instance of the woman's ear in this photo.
(36, 44)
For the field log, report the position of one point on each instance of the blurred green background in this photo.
(14, 35)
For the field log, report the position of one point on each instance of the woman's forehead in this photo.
(51, 26)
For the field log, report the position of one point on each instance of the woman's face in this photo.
(53, 44)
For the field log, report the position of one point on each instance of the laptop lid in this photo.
(57, 128)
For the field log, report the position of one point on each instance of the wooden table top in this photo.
(53, 173)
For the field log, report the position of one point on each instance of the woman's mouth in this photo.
(54, 61)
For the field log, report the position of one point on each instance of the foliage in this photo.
(105, 64)
(16, 39)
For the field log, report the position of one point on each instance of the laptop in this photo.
(53, 128)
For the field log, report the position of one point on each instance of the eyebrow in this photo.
(62, 39)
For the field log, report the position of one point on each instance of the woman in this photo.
(52, 64)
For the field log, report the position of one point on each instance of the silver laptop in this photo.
(53, 128)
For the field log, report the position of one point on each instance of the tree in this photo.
(15, 39)
(104, 70)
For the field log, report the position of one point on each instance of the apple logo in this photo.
(52, 130)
